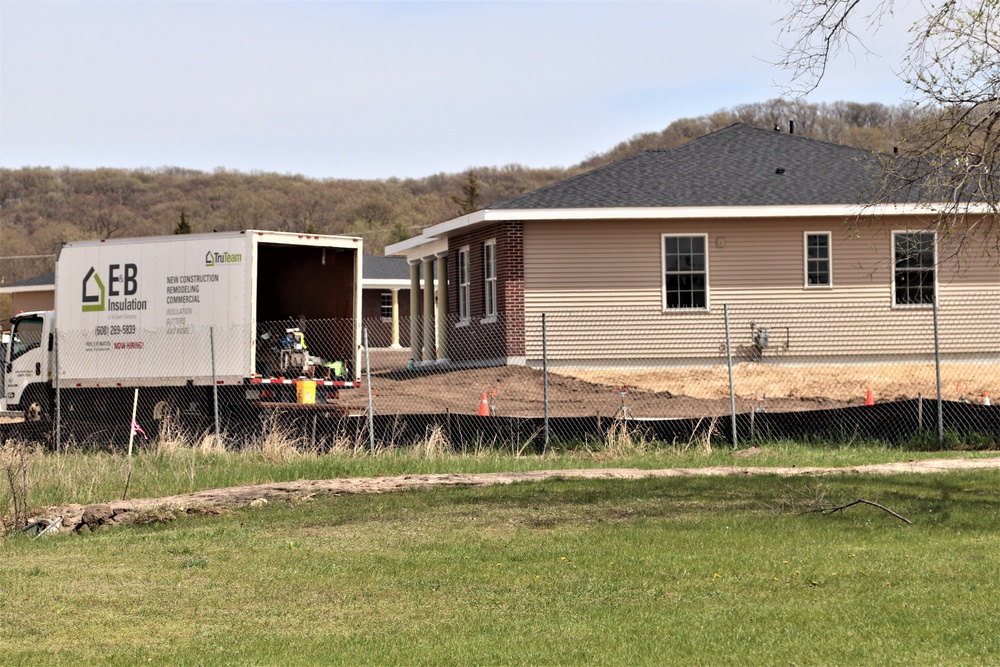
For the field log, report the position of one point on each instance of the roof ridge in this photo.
(575, 177)
(727, 128)
(802, 137)
(754, 128)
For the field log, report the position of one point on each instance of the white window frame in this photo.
(806, 259)
(934, 268)
(663, 276)
(382, 305)
(489, 281)
(463, 286)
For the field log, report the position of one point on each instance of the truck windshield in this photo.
(27, 335)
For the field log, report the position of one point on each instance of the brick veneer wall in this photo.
(504, 338)
(379, 330)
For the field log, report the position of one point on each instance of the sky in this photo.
(331, 89)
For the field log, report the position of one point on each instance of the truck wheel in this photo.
(176, 413)
(166, 409)
(37, 405)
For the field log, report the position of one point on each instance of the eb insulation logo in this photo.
(122, 281)
(93, 302)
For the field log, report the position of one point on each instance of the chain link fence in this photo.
(739, 373)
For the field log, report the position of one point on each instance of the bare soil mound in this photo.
(79, 517)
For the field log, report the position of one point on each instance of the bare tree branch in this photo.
(859, 501)
(814, 32)
(950, 157)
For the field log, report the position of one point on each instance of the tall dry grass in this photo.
(174, 462)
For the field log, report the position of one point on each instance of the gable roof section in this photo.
(736, 166)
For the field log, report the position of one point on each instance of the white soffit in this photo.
(385, 283)
(27, 288)
(435, 233)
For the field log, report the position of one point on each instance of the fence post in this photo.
(55, 345)
(545, 384)
(937, 369)
(215, 383)
(729, 364)
(368, 374)
(132, 424)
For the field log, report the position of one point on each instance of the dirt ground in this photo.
(660, 393)
(670, 392)
(76, 517)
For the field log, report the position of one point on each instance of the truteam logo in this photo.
(220, 258)
(93, 303)
(123, 280)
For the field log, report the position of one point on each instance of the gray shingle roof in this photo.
(384, 268)
(38, 281)
(736, 166)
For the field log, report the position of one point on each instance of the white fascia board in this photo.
(432, 234)
(443, 229)
(705, 212)
(406, 248)
(418, 248)
(470, 220)
(385, 283)
(27, 288)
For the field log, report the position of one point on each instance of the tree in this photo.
(182, 227)
(950, 154)
(470, 200)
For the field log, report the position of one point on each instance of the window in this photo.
(386, 306)
(818, 259)
(490, 274)
(463, 284)
(685, 268)
(26, 337)
(913, 268)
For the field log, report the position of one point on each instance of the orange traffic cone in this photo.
(869, 398)
(986, 398)
(484, 406)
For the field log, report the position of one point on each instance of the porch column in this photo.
(415, 330)
(428, 338)
(395, 319)
(442, 306)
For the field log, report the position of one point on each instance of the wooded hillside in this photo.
(43, 206)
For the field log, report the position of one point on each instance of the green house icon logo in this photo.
(93, 292)
(209, 258)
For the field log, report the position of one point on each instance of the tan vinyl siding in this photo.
(29, 301)
(600, 284)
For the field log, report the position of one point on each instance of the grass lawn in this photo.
(683, 571)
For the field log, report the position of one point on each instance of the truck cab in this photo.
(28, 364)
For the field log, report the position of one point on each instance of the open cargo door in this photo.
(312, 288)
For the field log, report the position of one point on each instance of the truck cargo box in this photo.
(150, 311)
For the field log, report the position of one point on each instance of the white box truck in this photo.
(245, 316)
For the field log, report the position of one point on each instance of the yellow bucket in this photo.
(305, 391)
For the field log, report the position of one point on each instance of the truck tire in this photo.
(166, 409)
(37, 402)
(174, 413)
